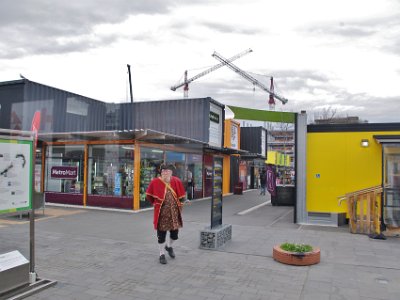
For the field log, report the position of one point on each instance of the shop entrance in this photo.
(391, 185)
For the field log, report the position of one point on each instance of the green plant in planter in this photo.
(296, 248)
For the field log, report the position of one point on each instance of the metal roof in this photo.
(146, 135)
(387, 138)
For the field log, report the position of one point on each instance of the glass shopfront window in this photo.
(64, 169)
(194, 176)
(111, 170)
(150, 161)
(178, 160)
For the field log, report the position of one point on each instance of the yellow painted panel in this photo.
(271, 157)
(337, 164)
(227, 133)
(226, 174)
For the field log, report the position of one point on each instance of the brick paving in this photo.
(96, 254)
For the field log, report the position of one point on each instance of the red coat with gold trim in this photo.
(157, 190)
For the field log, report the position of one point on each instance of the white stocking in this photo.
(161, 248)
(170, 242)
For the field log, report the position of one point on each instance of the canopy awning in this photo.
(381, 139)
(242, 113)
(144, 135)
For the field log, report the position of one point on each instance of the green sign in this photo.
(214, 117)
(242, 113)
(16, 171)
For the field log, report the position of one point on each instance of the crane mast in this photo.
(248, 77)
(186, 81)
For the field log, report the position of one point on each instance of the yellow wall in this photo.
(226, 175)
(227, 132)
(343, 166)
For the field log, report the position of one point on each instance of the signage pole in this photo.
(32, 273)
(35, 126)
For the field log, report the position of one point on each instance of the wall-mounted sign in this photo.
(234, 136)
(215, 138)
(263, 143)
(63, 172)
(214, 117)
(15, 174)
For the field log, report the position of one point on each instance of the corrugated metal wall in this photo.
(10, 92)
(63, 111)
(250, 139)
(186, 117)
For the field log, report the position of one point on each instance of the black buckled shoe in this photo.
(163, 260)
(170, 251)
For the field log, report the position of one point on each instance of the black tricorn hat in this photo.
(167, 167)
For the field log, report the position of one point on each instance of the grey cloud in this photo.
(239, 92)
(355, 29)
(345, 30)
(33, 26)
(286, 81)
(230, 28)
(385, 27)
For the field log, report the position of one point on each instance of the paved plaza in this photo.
(97, 254)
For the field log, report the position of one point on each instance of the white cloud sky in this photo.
(342, 54)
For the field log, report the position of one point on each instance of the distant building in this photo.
(340, 120)
(282, 141)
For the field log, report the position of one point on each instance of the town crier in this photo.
(167, 194)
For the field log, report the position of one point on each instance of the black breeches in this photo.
(161, 235)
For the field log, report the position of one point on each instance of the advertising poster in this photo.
(117, 186)
(216, 199)
(15, 175)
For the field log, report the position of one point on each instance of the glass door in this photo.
(391, 203)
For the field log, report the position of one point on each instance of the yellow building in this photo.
(344, 158)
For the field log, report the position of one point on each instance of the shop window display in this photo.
(111, 170)
(64, 169)
(188, 170)
(194, 167)
(178, 160)
(150, 161)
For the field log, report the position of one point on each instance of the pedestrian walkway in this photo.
(112, 255)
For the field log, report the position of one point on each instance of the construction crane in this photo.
(251, 79)
(186, 81)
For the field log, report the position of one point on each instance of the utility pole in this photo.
(130, 82)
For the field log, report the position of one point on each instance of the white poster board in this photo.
(16, 170)
(234, 136)
(215, 137)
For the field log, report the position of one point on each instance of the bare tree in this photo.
(327, 114)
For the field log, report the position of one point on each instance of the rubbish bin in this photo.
(238, 188)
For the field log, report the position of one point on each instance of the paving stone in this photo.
(109, 255)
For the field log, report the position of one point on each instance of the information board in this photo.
(216, 199)
(16, 171)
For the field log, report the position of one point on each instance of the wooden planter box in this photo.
(297, 259)
(285, 196)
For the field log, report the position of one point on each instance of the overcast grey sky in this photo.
(342, 54)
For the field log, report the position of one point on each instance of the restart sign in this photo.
(61, 172)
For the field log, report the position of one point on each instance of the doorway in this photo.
(391, 185)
